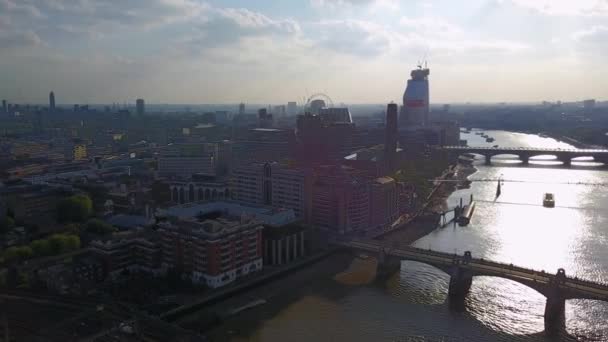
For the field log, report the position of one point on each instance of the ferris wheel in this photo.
(319, 96)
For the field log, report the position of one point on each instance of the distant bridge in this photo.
(525, 153)
(462, 268)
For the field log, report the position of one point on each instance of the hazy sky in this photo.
(356, 51)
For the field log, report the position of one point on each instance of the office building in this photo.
(265, 119)
(52, 102)
(79, 151)
(335, 115)
(214, 252)
(269, 216)
(241, 109)
(141, 107)
(4, 107)
(135, 251)
(391, 138)
(273, 184)
(199, 190)
(292, 108)
(316, 105)
(32, 203)
(340, 201)
(384, 204)
(185, 160)
(264, 145)
(415, 110)
(324, 138)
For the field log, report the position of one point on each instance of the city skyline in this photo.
(186, 51)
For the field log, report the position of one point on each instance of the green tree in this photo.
(97, 226)
(6, 224)
(17, 253)
(76, 208)
(72, 242)
(57, 243)
(41, 247)
(61, 243)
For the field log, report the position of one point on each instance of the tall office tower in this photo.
(241, 108)
(415, 110)
(392, 134)
(52, 102)
(141, 107)
(292, 108)
(4, 107)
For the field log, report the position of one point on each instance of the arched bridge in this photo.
(525, 153)
(462, 268)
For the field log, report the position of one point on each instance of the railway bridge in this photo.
(557, 288)
(525, 153)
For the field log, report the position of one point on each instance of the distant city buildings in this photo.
(241, 109)
(52, 102)
(265, 119)
(4, 107)
(292, 108)
(141, 107)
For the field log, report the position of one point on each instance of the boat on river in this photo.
(549, 200)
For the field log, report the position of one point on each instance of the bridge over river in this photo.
(525, 153)
(557, 288)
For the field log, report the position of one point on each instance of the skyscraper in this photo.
(415, 110)
(4, 107)
(241, 108)
(392, 134)
(52, 102)
(141, 107)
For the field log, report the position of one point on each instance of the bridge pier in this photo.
(460, 282)
(566, 160)
(488, 160)
(525, 160)
(555, 317)
(460, 277)
(387, 265)
(555, 306)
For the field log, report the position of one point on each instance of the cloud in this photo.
(354, 37)
(592, 41)
(566, 7)
(391, 4)
(231, 26)
(19, 7)
(18, 39)
(433, 26)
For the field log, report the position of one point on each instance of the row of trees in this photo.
(54, 245)
(77, 208)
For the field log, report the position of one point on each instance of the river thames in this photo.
(412, 305)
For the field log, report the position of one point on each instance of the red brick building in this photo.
(212, 251)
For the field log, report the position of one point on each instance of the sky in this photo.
(262, 51)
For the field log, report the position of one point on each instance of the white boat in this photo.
(549, 200)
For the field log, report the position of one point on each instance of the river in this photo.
(412, 305)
